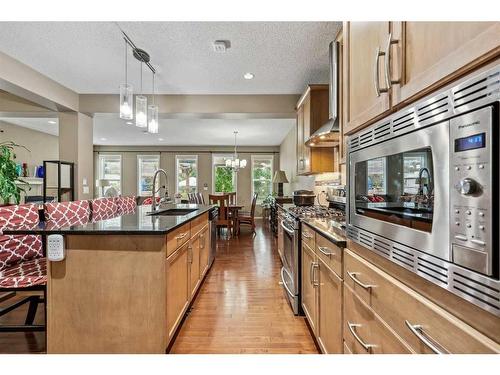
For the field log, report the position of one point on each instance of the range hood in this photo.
(328, 135)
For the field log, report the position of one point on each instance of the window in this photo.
(412, 164)
(110, 169)
(146, 167)
(376, 176)
(186, 174)
(224, 178)
(262, 175)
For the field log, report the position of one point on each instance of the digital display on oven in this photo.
(471, 142)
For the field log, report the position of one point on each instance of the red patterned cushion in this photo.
(65, 214)
(104, 208)
(126, 204)
(18, 215)
(25, 274)
(149, 200)
(19, 248)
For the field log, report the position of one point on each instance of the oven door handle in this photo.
(288, 230)
(284, 283)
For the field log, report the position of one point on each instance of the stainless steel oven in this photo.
(290, 269)
(424, 188)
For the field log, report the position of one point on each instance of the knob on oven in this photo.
(467, 186)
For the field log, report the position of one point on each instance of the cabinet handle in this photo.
(353, 276)
(315, 267)
(311, 270)
(326, 251)
(376, 75)
(181, 236)
(202, 243)
(388, 76)
(418, 331)
(352, 329)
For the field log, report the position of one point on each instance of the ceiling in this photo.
(88, 57)
(110, 130)
(44, 125)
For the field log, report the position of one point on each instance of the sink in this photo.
(173, 212)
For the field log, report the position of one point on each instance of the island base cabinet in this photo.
(204, 249)
(177, 288)
(194, 265)
(329, 329)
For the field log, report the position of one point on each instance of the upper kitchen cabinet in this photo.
(388, 65)
(365, 93)
(435, 53)
(312, 112)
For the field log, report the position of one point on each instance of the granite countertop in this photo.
(331, 229)
(136, 222)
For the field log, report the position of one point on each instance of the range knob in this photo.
(467, 186)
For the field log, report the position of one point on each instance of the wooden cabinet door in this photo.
(194, 265)
(329, 329)
(435, 53)
(300, 140)
(306, 151)
(361, 42)
(204, 249)
(309, 282)
(177, 287)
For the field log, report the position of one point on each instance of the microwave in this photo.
(424, 188)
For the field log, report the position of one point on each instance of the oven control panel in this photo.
(471, 190)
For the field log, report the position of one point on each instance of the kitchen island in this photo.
(126, 282)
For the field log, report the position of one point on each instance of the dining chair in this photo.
(232, 197)
(23, 266)
(192, 198)
(248, 218)
(200, 198)
(222, 200)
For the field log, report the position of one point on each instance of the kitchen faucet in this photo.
(154, 205)
(420, 184)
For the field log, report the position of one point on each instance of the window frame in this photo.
(384, 174)
(101, 172)
(189, 157)
(235, 182)
(269, 157)
(139, 156)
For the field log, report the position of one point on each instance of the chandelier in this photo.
(146, 116)
(234, 162)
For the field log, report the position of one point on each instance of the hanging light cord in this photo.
(126, 64)
(153, 89)
(141, 77)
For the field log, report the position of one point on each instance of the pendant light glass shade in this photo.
(153, 119)
(141, 111)
(126, 102)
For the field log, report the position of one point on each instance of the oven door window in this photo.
(397, 189)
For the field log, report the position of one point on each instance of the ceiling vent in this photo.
(221, 46)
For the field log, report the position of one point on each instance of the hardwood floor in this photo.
(241, 307)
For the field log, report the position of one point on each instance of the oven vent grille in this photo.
(477, 289)
(403, 121)
(471, 286)
(483, 86)
(382, 130)
(366, 138)
(433, 110)
(354, 143)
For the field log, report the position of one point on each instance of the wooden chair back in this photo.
(221, 200)
(232, 197)
(254, 202)
(192, 198)
(200, 198)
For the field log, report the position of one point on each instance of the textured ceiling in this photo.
(88, 57)
(111, 130)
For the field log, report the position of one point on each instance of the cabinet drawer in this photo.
(365, 332)
(329, 253)
(198, 223)
(178, 237)
(426, 327)
(308, 236)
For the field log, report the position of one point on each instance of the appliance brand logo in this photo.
(467, 125)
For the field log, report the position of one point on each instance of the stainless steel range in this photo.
(291, 239)
(424, 189)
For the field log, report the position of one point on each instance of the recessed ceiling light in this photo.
(248, 75)
(52, 122)
(160, 139)
(129, 123)
(104, 139)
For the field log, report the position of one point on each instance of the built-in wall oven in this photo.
(290, 278)
(424, 189)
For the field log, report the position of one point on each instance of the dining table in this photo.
(234, 210)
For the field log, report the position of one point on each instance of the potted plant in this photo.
(9, 178)
(266, 205)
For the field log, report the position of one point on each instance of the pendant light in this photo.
(126, 94)
(153, 113)
(141, 108)
(235, 163)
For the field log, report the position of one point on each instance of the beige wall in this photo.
(42, 146)
(167, 162)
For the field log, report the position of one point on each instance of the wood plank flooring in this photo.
(241, 307)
